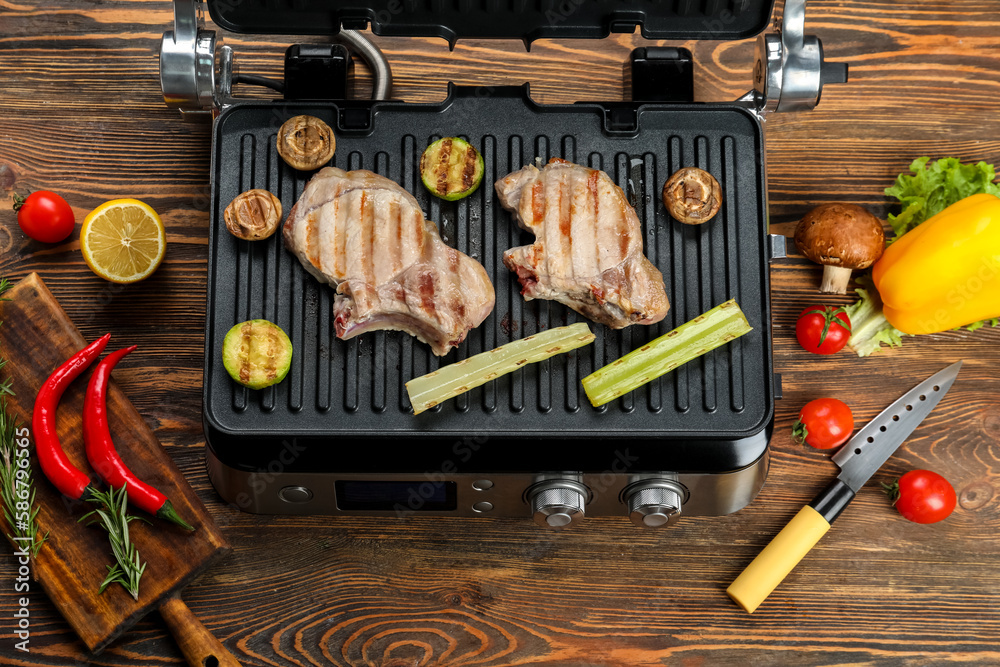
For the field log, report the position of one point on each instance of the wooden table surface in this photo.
(81, 113)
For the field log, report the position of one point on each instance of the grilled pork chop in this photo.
(367, 236)
(587, 252)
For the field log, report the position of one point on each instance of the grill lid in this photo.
(527, 20)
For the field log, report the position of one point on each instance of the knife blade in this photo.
(858, 460)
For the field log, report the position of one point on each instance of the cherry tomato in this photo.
(44, 216)
(922, 496)
(823, 329)
(824, 423)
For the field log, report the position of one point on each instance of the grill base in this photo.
(274, 490)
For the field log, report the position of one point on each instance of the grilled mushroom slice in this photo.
(253, 215)
(306, 142)
(692, 195)
(841, 237)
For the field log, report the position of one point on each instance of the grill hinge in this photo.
(659, 74)
(790, 70)
(316, 71)
(197, 72)
(776, 247)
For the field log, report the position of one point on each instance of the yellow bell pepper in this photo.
(945, 273)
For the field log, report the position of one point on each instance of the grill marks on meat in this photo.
(366, 236)
(587, 252)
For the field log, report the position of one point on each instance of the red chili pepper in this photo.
(57, 467)
(101, 448)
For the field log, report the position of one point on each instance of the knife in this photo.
(858, 460)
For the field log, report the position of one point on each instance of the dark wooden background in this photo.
(81, 113)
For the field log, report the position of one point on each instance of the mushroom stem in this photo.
(835, 279)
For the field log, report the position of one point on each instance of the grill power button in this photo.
(295, 494)
(557, 504)
(655, 503)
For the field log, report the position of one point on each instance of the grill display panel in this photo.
(344, 399)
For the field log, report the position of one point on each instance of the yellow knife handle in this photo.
(789, 546)
(778, 558)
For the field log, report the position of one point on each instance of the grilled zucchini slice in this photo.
(257, 353)
(451, 168)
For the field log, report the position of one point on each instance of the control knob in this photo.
(655, 503)
(558, 503)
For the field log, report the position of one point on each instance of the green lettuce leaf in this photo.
(930, 190)
(869, 328)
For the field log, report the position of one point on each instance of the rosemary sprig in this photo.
(113, 516)
(16, 488)
(5, 384)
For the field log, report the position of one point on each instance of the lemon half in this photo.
(123, 240)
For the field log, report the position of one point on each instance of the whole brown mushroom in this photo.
(841, 237)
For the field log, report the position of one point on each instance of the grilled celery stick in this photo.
(449, 381)
(690, 340)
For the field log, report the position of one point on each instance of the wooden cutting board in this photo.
(36, 337)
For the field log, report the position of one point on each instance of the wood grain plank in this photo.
(81, 113)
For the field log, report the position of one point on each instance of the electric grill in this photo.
(338, 435)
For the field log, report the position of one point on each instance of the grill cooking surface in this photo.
(355, 388)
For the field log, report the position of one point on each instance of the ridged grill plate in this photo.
(340, 389)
